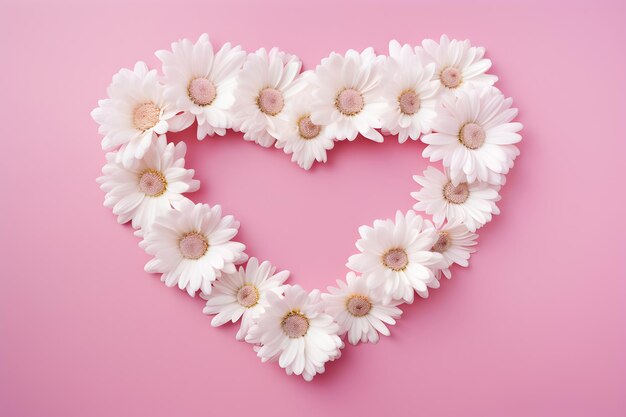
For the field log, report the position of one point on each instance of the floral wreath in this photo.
(437, 92)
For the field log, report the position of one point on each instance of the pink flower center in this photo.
(146, 115)
(152, 183)
(456, 194)
(409, 102)
(443, 242)
(358, 305)
(248, 296)
(396, 259)
(349, 102)
(307, 129)
(295, 324)
(201, 91)
(270, 101)
(193, 245)
(472, 135)
(451, 77)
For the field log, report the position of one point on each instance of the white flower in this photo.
(192, 246)
(409, 92)
(458, 64)
(295, 331)
(395, 257)
(456, 244)
(200, 83)
(470, 203)
(264, 87)
(150, 186)
(296, 134)
(475, 137)
(346, 96)
(359, 311)
(243, 294)
(134, 113)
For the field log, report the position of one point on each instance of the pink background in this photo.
(535, 327)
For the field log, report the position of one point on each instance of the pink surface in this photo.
(535, 327)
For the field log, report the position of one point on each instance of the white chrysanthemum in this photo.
(296, 134)
(474, 135)
(243, 295)
(359, 311)
(346, 94)
(473, 204)
(395, 257)
(192, 246)
(458, 64)
(409, 93)
(150, 186)
(264, 87)
(295, 331)
(134, 113)
(456, 244)
(200, 83)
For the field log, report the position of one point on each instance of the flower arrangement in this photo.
(436, 92)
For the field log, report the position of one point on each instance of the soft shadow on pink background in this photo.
(535, 327)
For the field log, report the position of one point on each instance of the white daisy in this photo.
(456, 244)
(243, 295)
(410, 93)
(475, 135)
(473, 204)
(264, 87)
(458, 64)
(295, 331)
(192, 246)
(395, 257)
(200, 83)
(359, 311)
(150, 186)
(346, 95)
(296, 134)
(135, 112)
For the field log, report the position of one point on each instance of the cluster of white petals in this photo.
(436, 92)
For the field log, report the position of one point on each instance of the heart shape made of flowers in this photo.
(437, 92)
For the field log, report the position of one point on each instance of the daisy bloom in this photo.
(359, 312)
(150, 186)
(395, 257)
(135, 112)
(472, 204)
(410, 93)
(200, 83)
(346, 96)
(296, 332)
(474, 135)
(192, 246)
(458, 64)
(456, 244)
(297, 135)
(264, 87)
(243, 295)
